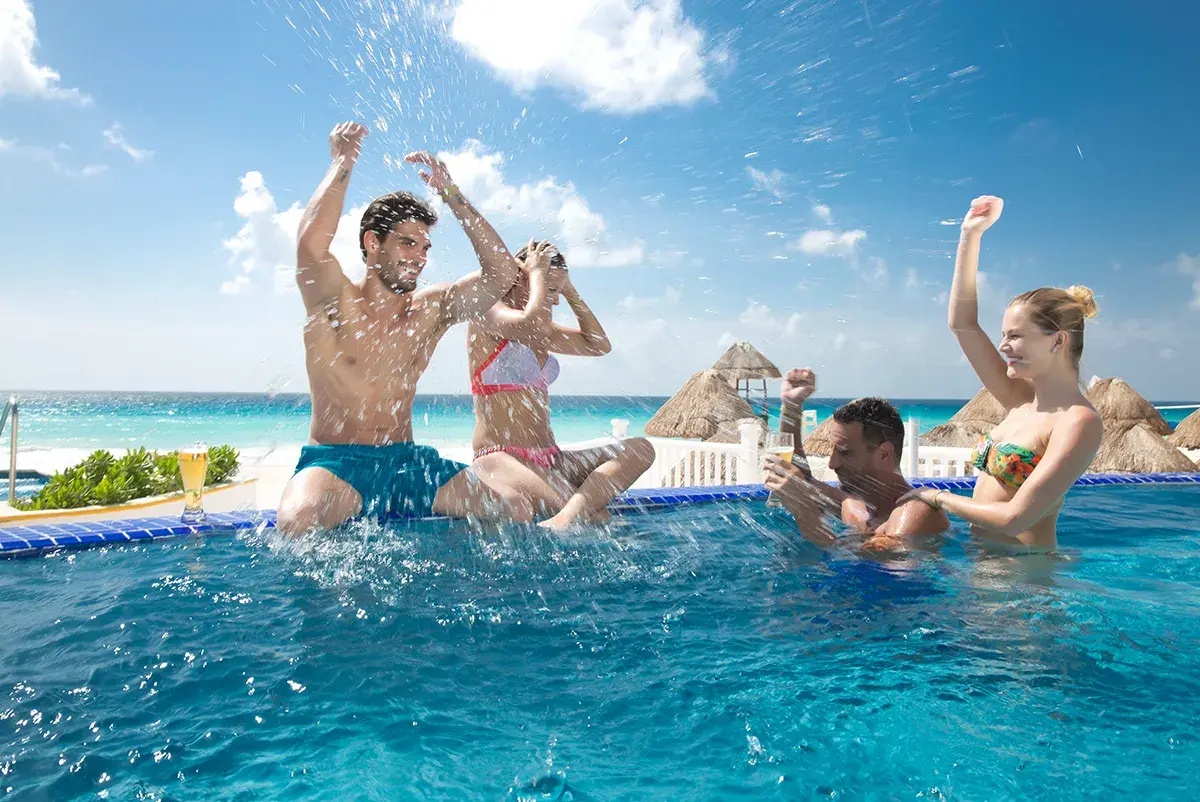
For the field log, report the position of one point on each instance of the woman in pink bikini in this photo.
(511, 353)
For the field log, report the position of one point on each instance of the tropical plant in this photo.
(104, 479)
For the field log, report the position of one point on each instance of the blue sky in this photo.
(785, 172)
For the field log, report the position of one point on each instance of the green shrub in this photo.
(104, 479)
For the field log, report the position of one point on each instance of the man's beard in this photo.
(398, 276)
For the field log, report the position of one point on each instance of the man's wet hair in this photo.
(880, 422)
(388, 211)
(557, 260)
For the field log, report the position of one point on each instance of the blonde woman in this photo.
(1027, 464)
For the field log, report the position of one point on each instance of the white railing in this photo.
(943, 461)
(696, 463)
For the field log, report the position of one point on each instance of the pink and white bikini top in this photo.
(511, 368)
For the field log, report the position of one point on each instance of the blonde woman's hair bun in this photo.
(1086, 299)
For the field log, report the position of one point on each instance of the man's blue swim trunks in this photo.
(401, 479)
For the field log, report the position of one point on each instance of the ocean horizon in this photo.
(165, 420)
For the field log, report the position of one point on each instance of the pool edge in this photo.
(17, 541)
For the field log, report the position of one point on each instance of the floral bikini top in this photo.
(1010, 463)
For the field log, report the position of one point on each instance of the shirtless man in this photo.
(868, 436)
(368, 343)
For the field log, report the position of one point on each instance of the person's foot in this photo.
(563, 521)
(557, 524)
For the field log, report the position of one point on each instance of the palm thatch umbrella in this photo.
(1136, 447)
(1187, 433)
(819, 442)
(745, 367)
(744, 361)
(696, 412)
(1117, 402)
(976, 419)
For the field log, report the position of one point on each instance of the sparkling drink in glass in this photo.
(782, 445)
(193, 464)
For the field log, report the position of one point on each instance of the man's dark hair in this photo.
(388, 211)
(557, 260)
(880, 421)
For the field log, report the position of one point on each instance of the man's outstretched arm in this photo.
(798, 385)
(318, 273)
(472, 295)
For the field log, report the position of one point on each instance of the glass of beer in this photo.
(782, 445)
(193, 464)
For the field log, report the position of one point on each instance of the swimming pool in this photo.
(693, 653)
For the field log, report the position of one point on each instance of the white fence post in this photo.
(620, 428)
(749, 455)
(911, 443)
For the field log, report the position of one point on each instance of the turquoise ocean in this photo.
(252, 420)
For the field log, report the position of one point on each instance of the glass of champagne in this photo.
(782, 445)
(193, 464)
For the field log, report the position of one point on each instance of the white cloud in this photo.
(235, 285)
(115, 136)
(771, 183)
(877, 274)
(582, 233)
(823, 213)
(49, 156)
(760, 317)
(829, 242)
(622, 56)
(911, 281)
(634, 303)
(20, 74)
(1190, 266)
(266, 241)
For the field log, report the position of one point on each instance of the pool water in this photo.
(697, 653)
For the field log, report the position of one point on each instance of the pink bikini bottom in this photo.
(542, 457)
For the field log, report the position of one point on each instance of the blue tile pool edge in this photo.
(26, 540)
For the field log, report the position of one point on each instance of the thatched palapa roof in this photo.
(1117, 402)
(1133, 432)
(976, 419)
(744, 361)
(1137, 448)
(697, 411)
(819, 442)
(1187, 433)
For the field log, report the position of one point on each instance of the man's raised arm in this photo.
(472, 295)
(318, 273)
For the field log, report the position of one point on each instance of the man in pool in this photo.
(367, 343)
(868, 436)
